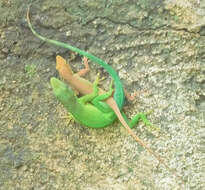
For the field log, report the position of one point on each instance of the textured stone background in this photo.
(158, 48)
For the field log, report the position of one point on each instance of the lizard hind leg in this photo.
(143, 117)
(99, 100)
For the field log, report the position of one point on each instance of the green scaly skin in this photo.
(119, 92)
(90, 110)
(85, 110)
(102, 106)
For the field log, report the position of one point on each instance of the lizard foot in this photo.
(150, 126)
(143, 117)
(84, 71)
(69, 118)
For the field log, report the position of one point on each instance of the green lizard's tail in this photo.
(119, 93)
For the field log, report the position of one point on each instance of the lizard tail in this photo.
(119, 92)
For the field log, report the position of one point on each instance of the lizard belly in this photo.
(90, 116)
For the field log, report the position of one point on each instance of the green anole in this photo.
(83, 86)
(86, 108)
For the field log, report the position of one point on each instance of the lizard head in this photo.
(63, 93)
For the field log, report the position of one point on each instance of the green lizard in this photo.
(83, 86)
(118, 93)
(90, 110)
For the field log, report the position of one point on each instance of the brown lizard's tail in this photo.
(115, 108)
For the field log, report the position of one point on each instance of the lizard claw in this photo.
(100, 78)
(96, 82)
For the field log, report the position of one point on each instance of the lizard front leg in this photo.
(89, 97)
(84, 71)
